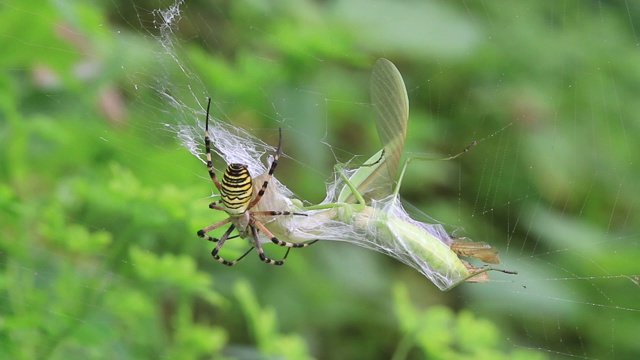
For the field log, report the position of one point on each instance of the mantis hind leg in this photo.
(410, 159)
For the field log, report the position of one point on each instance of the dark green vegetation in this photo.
(99, 204)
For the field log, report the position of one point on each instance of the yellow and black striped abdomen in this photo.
(237, 189)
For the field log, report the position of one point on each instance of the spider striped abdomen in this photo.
(236, 189)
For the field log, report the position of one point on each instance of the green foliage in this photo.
(99, 204)
(73, 284)
(440, 334)
(264, 327)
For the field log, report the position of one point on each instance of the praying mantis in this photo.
(365, 208)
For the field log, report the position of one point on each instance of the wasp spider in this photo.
(236, 191)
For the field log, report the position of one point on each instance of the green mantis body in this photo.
(367, 210)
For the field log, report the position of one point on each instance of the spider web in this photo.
(238, 146)
(563, 149)
(546, 286)
(561, 194)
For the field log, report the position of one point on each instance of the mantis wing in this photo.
(377, 178)
(391, 108)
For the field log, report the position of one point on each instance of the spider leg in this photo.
(203, 232)
(274, 163)
(276, 213)
(207, 146)
(227, 262)
(215, 205)
(263, 257)
(221, 241)
(276, 241)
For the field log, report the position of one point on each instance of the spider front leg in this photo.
(272, 169)
(207, 147)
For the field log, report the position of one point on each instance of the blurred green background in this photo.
(99, 203)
